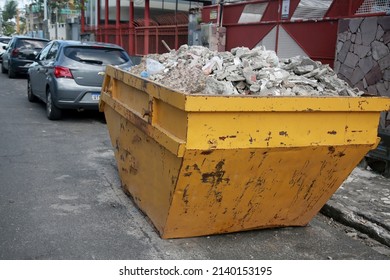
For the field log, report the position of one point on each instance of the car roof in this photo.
(30, 38)
(87, 43)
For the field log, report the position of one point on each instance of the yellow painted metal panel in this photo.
(136, 99)
(163, 137)
(147, 170)
(170, 119)
(234, 103)
(233, 130)
(242, 189)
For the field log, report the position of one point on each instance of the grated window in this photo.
(311, 9)
(374, 6)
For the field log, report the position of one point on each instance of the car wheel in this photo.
(11, 72)
(3, 70)
(30, 95)
(52, 112)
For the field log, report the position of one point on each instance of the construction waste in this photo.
(198, 70)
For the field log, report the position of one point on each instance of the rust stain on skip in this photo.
(331, 150)
(333, 132)
(229, 136)
(283, 133)
(216, 176)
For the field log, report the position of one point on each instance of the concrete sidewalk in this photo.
(363, 203)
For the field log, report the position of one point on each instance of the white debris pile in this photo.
(196, 69)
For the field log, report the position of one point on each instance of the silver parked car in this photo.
(69, 74)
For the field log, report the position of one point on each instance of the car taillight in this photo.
(15, 52)
(62, 72)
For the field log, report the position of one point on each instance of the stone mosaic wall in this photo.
(363, 54)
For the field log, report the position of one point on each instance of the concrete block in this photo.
(386, 75)
(351, 60)
(372, 90)
(346, 71)
(353, 38)
(379, 50)
(358, 39)
(339, 46)
(381, 89)
(361, 50)
(379, 33)
(354, 24)
(366, 64)
(384, 63)
(342, 37)
(336, 66)
(386, 37)
(368, 29)
(374, 76)
(344, 51)
(343, 25)
(360, 86)
(384, 22)
(357, 76)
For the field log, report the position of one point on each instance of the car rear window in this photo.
(30, 44)
(97, 55)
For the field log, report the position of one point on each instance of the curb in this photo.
(364, 224)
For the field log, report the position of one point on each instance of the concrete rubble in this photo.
(198, 70)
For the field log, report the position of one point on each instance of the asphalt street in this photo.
(61, 198)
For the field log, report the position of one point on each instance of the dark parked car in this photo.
(20, 53)
(69, 74)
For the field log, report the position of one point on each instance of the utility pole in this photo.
(17, 21)
(45, 21)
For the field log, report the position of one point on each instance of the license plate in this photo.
(95, 97)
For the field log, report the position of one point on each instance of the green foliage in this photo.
(8, 28)
(9, 10)
(60, 4)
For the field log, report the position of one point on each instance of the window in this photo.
(53, 51)
(97, 55)
(42, 55)
(30, 44)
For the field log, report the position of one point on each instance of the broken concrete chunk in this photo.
(235, 77)
(254, 88)
(249, 75)
(196, 69)
(217, 87)
(301, 70)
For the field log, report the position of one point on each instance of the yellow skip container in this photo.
(207, 164)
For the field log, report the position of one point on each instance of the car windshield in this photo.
(30, 44)
(97, 55)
